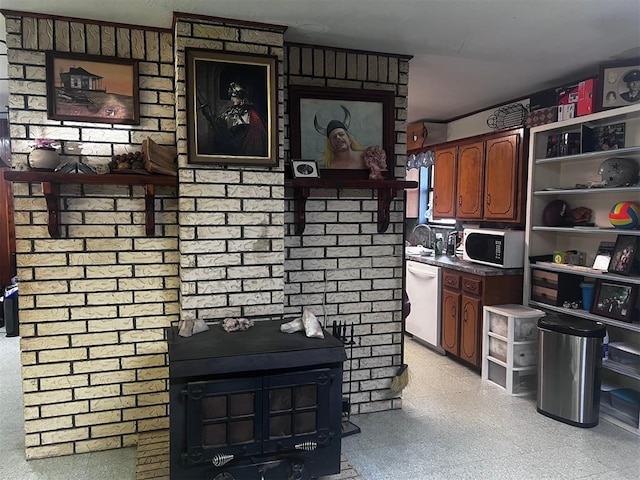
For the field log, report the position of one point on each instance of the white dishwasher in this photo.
(423, 284)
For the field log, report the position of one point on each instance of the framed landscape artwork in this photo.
(231, 108)
(336, 126)
(92, 88)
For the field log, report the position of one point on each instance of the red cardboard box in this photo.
(586, 96)
(582, 95)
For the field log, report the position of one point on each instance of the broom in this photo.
(401, 378)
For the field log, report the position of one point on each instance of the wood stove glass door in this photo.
(224, 416)
(297, 409)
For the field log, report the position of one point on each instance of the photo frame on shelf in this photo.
(614, 300)
(603, 138)
(616, 83)
(624, 255)
(232, 110)
(304, 169)
(603, 256)
(336, 126)
(92, 88)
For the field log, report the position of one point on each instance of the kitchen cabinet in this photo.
(470, 180)
(567, 178)
(463, 297)
(444, 183)
(503, 174)
(481, 178)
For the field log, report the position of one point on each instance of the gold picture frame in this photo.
(231, 108)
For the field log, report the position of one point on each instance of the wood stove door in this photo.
(298, 409)
(223, 417)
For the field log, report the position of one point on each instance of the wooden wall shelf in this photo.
(387, 190)
(51, 182)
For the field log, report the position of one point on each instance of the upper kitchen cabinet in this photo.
(503, 175)
(444, 182)
(481, 178)
(470, 180)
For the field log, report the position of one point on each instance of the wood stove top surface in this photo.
(261, 347)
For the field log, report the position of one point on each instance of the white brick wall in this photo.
(102, 293)
(94, 303)
(221, 205)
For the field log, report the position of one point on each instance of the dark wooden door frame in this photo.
(7, 231)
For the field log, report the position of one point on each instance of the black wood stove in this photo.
(258, 404)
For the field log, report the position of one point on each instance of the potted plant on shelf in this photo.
(44, 155)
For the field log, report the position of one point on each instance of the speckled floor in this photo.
(453, 426)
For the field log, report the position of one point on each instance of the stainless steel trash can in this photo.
(569, 363)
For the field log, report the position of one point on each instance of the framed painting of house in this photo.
(92, 88)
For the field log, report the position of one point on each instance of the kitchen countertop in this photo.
(457, 263)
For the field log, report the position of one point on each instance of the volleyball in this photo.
(625, 215)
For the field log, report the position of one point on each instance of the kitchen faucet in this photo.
(421, 233)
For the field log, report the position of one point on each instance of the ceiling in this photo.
(468, 55)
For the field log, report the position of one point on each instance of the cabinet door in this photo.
(501, 190)
(470, 312)
(444, 183)
(450, 321)
(470, 181)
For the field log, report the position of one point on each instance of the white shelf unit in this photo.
(510, 347)
(565, 178)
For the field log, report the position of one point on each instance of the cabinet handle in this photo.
(460, 201)
(464, 314)
(488, 199)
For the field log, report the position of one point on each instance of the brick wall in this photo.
(341, 251)
(231, 217)
(93, 304)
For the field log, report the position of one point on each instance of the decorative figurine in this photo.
(375, 160)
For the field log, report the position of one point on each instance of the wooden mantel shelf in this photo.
(387, 190)
(51, 189)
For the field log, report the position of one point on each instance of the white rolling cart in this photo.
(510, 347)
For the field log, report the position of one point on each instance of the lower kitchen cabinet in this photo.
(463, 297)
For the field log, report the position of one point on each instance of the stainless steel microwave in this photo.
(498, 248)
